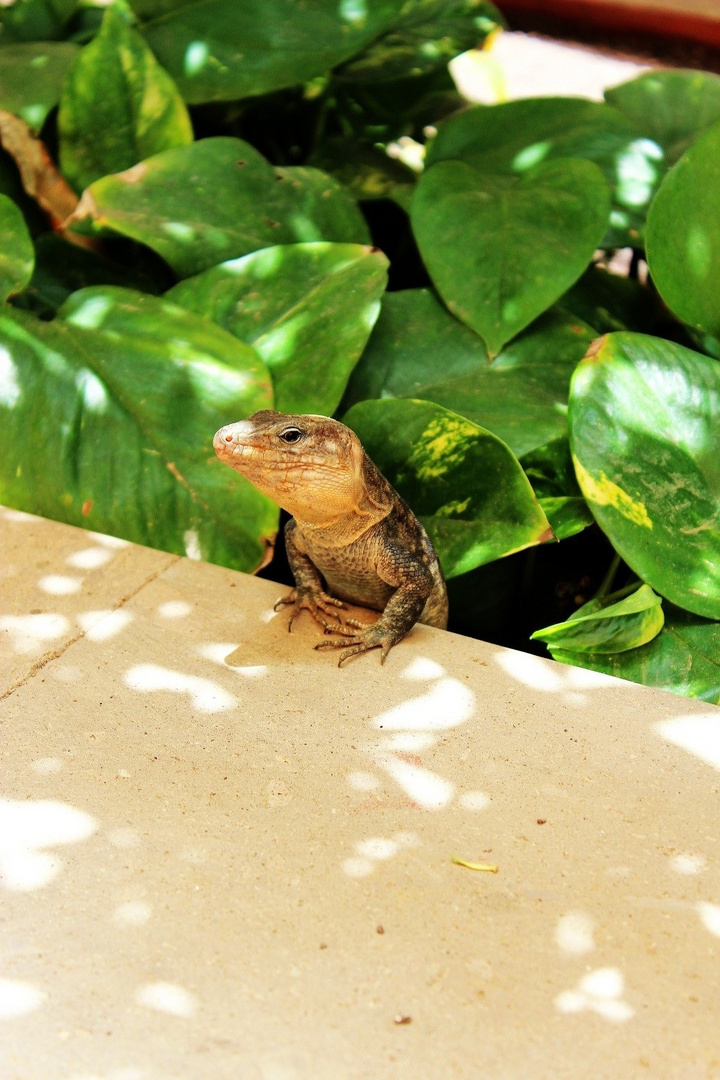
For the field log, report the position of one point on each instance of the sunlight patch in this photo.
(28, 827)
(600, 991)
(698, 734)
(103, 625)
(422, 668)
(18, 998)
(31, 632)
(710, 915)
(196, 57)
(574, 933)
(89, 558)
(167, 998)
(174, 609)
(446, 705)
(60, 584)
(10, 391)
(206, 695)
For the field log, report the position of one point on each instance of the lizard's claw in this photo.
(319, 605)
(370, 637)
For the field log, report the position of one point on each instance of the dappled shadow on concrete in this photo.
(222, 856)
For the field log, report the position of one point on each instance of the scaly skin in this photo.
(351, 537)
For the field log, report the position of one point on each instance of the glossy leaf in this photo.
(220, 52)
(684, 658)
(608, 625)
(514, 137)
(17, 256)
(672, 107)
(683, 226)
(61, 268)
(500, 250)
(307, 309)
(31, 75)
(464, 484)
(609, 302)
(550, 470)
(645, 434)
(418, 350)
(200, 205)
(118, 106)
(429, 37)
(122, 430)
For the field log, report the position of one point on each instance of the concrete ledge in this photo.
(225, 858)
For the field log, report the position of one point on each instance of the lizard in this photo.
(351, 537)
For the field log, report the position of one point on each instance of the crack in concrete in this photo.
(46, 658)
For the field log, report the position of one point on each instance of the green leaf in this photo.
(608, 625)
(34, 20)
(122, 428)
(200, 205)
(418, 350)
(684, 658)
(645, 434)
(365, 170)
(308, 310)
(219, 52)
(672, 107)
(463, 483)
(683, 226)
(514, 137)
(609, 302)
(118, 106)
(550, 470)
(62, 268)
(429, 37)
(31, 76)
(17, 256)
(500, 250)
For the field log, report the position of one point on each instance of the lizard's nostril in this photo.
(228, 438)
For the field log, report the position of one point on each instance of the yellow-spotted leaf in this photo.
(464, 483)
(644, 421)
(610, 625)
(684, 658)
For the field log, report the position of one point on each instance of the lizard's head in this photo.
(311, 465)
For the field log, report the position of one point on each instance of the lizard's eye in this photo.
(291, 434)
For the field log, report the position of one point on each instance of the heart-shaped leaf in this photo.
(500, 250)
(418, 350)
(17, 256)
(515, 136)
(610, 625)
(220, 52)
(672, 107)
(31, 75)
(118, 106)
(645, 434)
(684, 658)
(463, 482)
(200, 205)
(122, 427)
(682, 235)
(307, 309)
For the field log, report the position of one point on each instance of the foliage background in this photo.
(206, 210)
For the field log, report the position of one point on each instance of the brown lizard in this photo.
(351, 537)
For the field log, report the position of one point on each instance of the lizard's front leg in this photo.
(308, 594)
(402, 611)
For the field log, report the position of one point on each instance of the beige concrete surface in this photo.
(225, 859)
